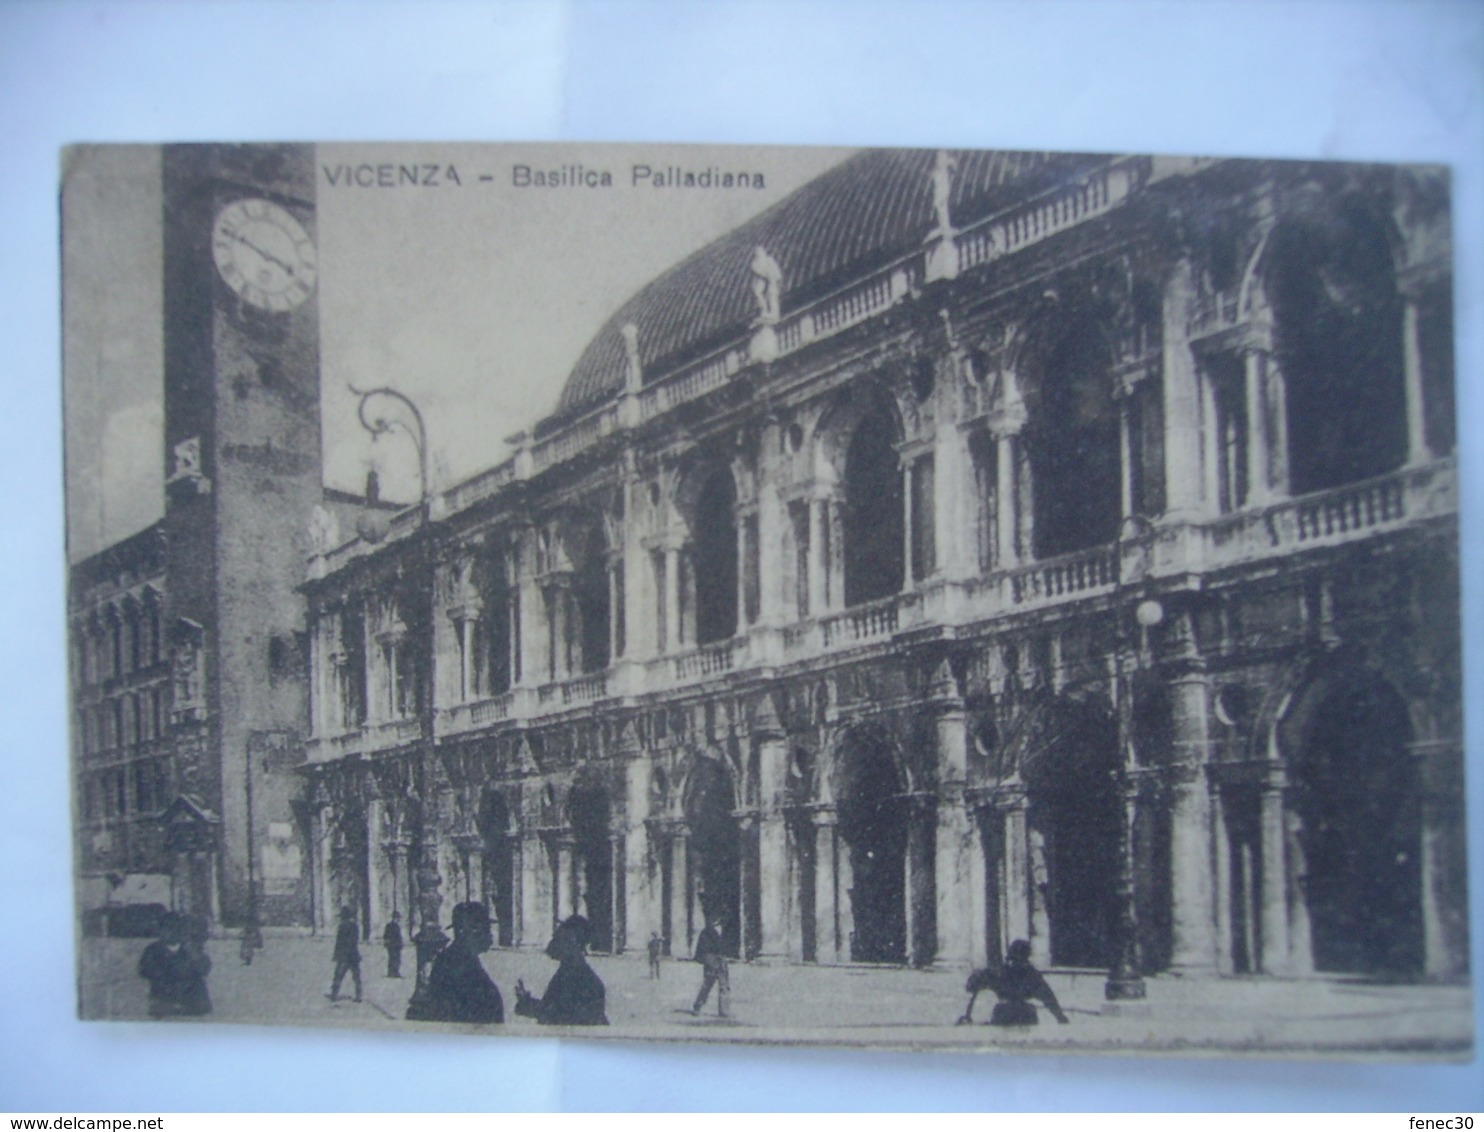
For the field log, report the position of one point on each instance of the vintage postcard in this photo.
(941, 599)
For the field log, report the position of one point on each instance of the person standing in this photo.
(575, 995)
(711, 956)
(459, 989)
(656, 946)
(252, 936)
(391, 939)
(176, 965)
(347, 953)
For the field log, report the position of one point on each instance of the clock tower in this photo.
(243, 475)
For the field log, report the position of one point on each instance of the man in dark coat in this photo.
(713, 958)
(176, 966)
(347, 953)
(1015, 984)
(575, 994)
(391, 939)
(459, 989)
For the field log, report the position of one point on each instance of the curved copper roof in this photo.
(863, 213)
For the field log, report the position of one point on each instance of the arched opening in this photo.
(1071, 437)
(350, 869)
(714, 554)
(593, 864)
(499, 865)
(1075, 817)
(873, 520)
(873, 820)
(1357, 800)
(591, 594)
(715, 848)
(494, 672)
(1331, 282)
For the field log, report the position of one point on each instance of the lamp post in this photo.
(1125, 975)
(378, 424)
(430, 938)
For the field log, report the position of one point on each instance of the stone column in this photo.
(1221, 893)
(909, 520)
(1274, 875)
(1192, 910)
(818, 560)
(535, 889)
(672, 639)
(1015, 887)
(772, 523)
(1007, 500)
(533, 629)
(952, 854)
(1418, 451)
(1444, 873)
(773, 872)
(1259, 483)
(826, 926)
(680, 921)
(641, 915)
(1125, 457)
(566, 883)
(1182, 408)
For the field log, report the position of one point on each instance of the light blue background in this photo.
(1390, 80)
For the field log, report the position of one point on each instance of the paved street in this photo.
(289, 978)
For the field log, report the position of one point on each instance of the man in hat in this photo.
(575, 995)
(711, 955)
(391, 939)
(1014, 984)
(459, 989)
(347, 953)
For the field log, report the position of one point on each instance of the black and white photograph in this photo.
(940, 599)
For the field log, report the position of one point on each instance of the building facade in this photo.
(971, 547)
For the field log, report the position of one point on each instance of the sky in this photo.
(474, 298)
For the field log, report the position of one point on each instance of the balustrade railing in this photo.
(864, 623)
(709, 661)
(1041, 218)
(1066, 576)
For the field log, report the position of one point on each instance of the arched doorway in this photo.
(592, 598)
(1071, 435)
(873, 520)
(350, 868)
(873, 821)
(1075, 817)
(714, 555)
(593, 861)
(1358, 802)
(715, 846)
(1329, 276)
(499, 865)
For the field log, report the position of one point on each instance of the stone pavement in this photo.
(289, 979)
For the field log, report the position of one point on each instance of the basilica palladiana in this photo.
(972, 547)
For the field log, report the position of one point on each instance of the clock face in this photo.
(264, 254)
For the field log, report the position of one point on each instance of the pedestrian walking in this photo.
(459, 989)
(176, 965)
(391, 939)
(1015, 984)
(711, 956)
(252, 937)
(347, 953)
(575, 994)
(656, 945)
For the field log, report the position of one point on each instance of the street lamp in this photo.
(377, 424)
(1125, 975)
